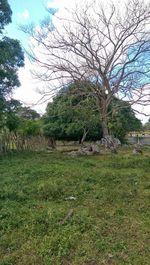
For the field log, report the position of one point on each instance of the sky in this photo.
(26, 12)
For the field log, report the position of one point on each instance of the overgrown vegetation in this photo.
(106, 44)
(57, 210)
(147, 125)
(11, 59)
(74, 116)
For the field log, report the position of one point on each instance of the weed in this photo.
(110, 216)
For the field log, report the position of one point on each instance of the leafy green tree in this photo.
(123, 120)
(75, 117)
(106, 45)
(69, 117)
(20, 119)
(11, 59)
(147, 125)
(5, 14)
(27, 114)
(30, 128)
(9, 117)
(30, 123)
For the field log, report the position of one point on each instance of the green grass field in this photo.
(107, 222)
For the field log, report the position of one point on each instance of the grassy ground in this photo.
(107, 224)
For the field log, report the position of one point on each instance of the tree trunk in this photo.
(105, 128)
(108, 139)
(84, 136)
(103, 112)
(51, 144)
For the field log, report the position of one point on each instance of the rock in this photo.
(98, 142)
(86, 151)
(49, 148)
(113, 150)
(125, 146)
(137, 152)
(73, 153)
(117, 142)
(82, 151)
(137, 149)
(110, 256)
(71, 198)
(95, 148)
(110, 141)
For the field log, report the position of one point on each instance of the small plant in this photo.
(108, 222)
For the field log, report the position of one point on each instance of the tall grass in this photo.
(110, 217)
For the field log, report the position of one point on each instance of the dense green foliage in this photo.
(147, 125)
(5, 14)
(9, 118)
(29, 127)
(29, 121)
(110, 217)
(71, 116)
(19, 119)
(28, 113)
(107, 47)
(11, 59)
(123, 120)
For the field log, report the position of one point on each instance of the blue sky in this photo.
(25, 12)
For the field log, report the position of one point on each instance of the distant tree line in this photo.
(20, 119)
(13, 116)
(147, 125)
(72, 115)
(11, 59)
(68, 117)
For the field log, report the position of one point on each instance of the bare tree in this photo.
(106, 46)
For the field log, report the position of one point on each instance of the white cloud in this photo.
(28, 90)
(23, 15)
(56, 4)
(50, 4)
(144, 110)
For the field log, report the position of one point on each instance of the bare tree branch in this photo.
(106, 46)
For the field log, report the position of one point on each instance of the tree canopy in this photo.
(20, 119)
(69, 117)
(11, 59)
(5, 14)
(75, 117)
(107, 45)
(147, 125)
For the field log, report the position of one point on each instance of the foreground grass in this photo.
(108, 223)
